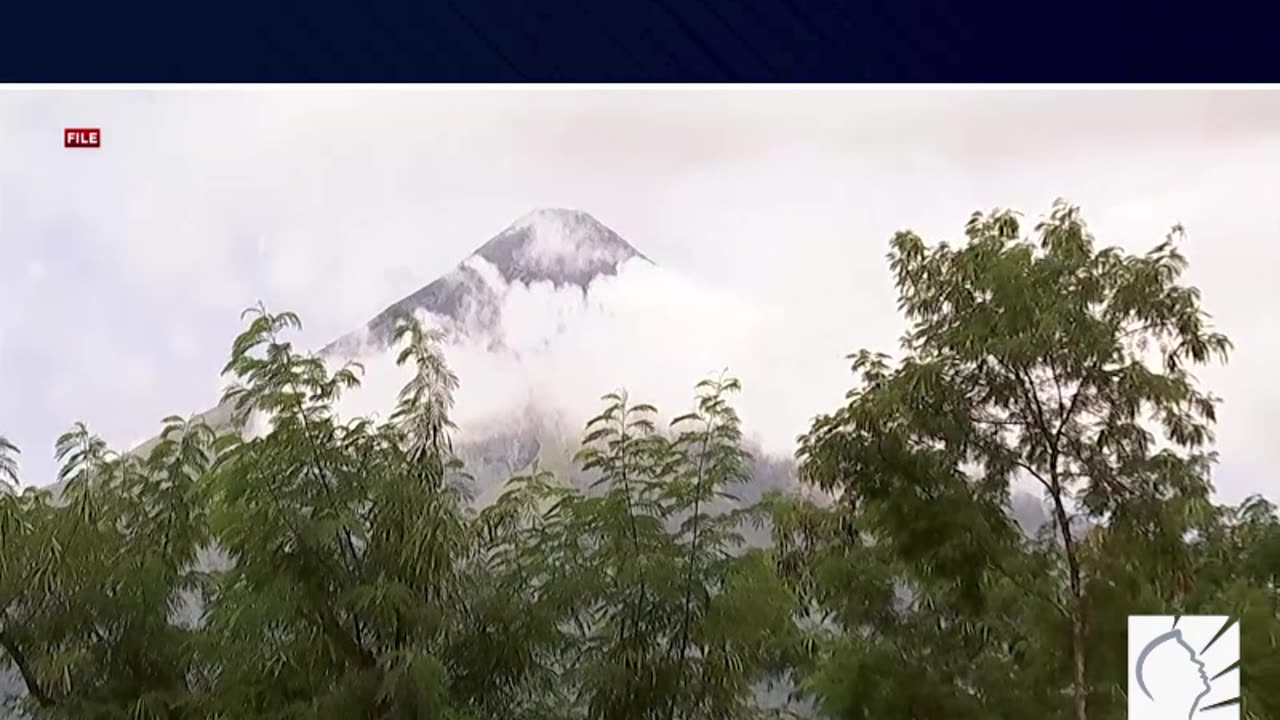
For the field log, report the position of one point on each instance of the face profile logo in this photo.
(1184, 667)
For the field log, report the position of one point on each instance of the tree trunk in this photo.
(1079, 627)
(1079, 690)
(34, 688)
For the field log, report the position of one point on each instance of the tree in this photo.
(92, 590)
(647, 606)
(349, 550)
(1047, 358)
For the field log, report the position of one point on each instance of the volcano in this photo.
(561, 248)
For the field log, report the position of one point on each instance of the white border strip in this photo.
(691, 87)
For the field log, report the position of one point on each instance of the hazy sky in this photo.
(123, 269)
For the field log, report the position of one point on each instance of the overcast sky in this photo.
(123, 269)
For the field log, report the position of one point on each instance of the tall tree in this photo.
(348, 546)
(1045, 357)
(647, 607)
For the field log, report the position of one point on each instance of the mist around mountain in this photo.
(507, 310)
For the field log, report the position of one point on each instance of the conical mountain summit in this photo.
(552, 245)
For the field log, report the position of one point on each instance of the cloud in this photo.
(335, 204)
(34, 270)
(648, 330)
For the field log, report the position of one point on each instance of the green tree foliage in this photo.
(305, 565)
(92, 591)
(1050, 359)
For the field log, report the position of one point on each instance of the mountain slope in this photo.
(563, 248)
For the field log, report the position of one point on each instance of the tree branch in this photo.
(1028, 590)
(1032, 471)
(34, 688)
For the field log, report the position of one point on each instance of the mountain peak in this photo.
(556, 245)
(549, 245)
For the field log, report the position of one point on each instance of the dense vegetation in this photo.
(356, 580)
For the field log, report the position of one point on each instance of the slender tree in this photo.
(1047, 358)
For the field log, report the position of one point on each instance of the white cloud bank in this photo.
(648, 330)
